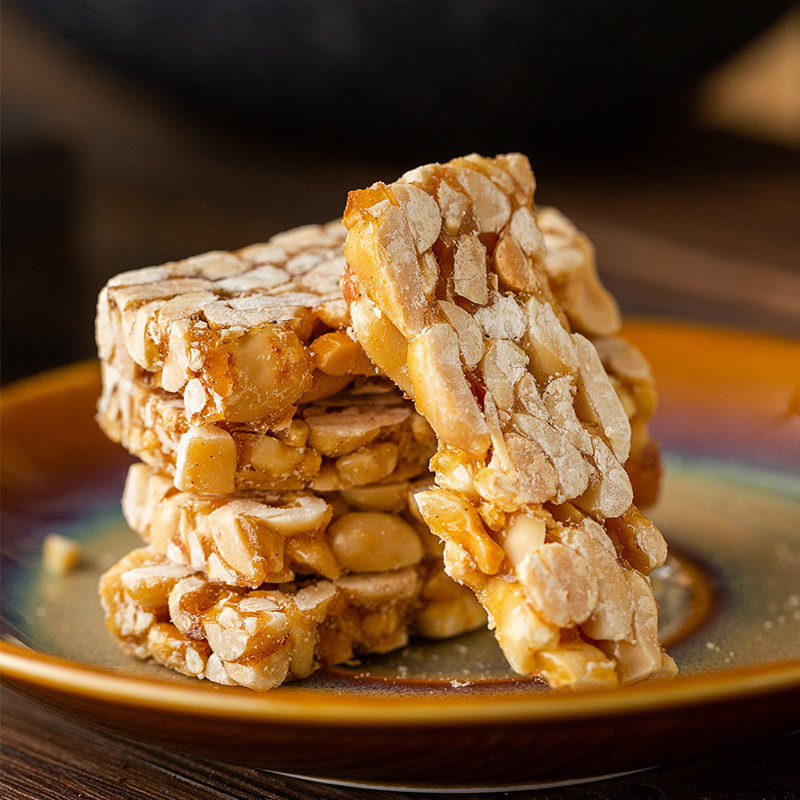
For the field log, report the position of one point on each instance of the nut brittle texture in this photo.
(459, 296)
(367, 433)
(240, 337)
(261, 638)
(250, 538)
(632, 378)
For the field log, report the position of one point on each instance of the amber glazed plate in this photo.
(447, 716)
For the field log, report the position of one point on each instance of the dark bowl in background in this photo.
(415, 75)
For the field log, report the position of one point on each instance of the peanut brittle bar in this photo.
(250, 538)
(456, 294)
(240, 337)
(261, 638)
(365, 434)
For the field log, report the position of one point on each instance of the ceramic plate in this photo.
(448, 716)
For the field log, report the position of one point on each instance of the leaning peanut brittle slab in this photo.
(455, 294)
(260, 638)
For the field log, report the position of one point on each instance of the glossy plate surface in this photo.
(449, 715)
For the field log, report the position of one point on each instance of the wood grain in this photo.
(46, 756)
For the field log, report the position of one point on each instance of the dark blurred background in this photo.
(140, 132)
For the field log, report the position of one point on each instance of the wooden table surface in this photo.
(687, 224)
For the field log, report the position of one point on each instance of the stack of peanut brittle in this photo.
(489, 314)
(287, 402)
(278, 467)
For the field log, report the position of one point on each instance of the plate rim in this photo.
(49, 673)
